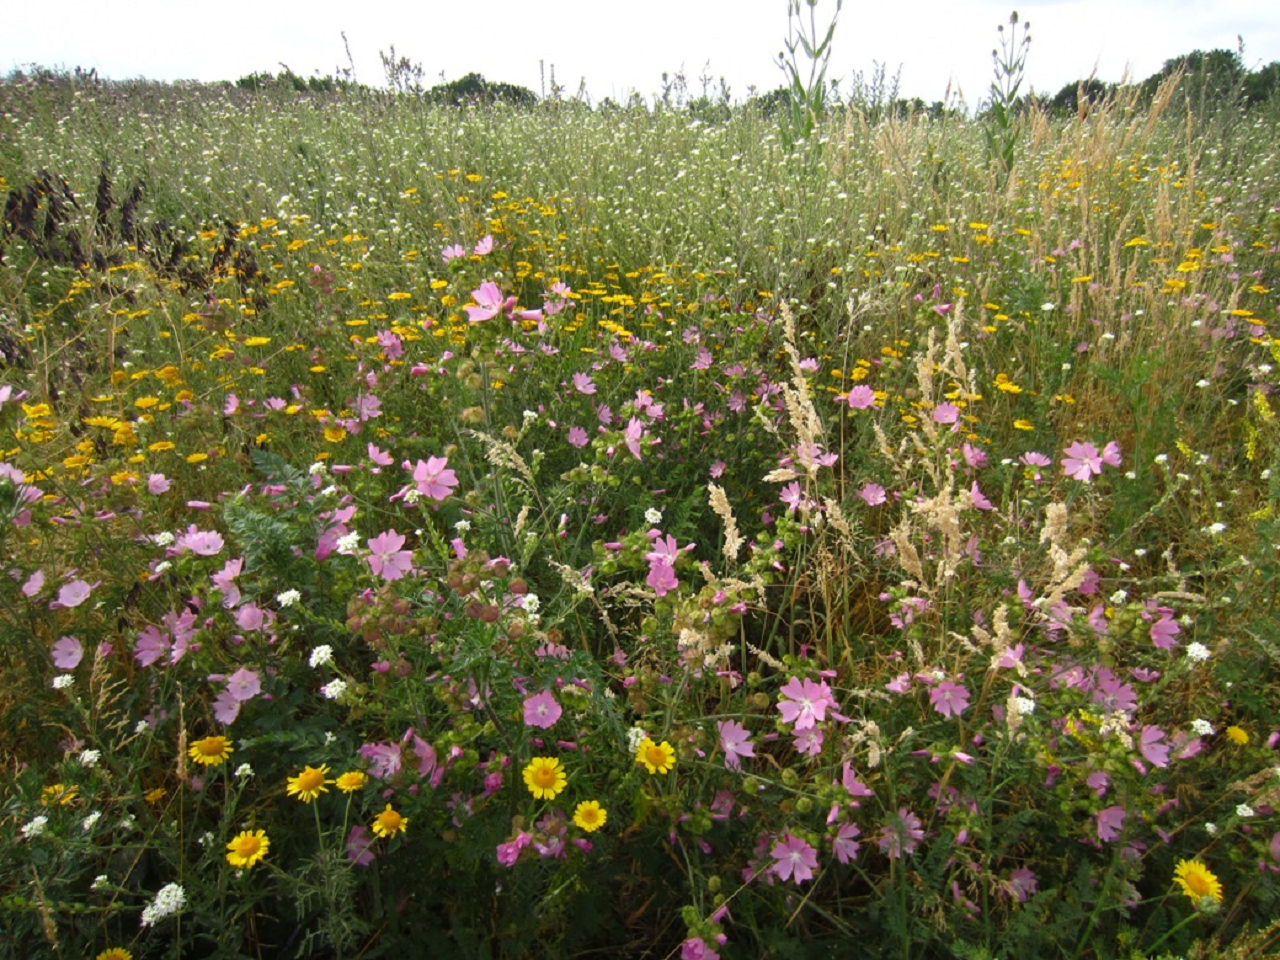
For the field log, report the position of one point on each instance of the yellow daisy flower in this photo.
(114, 953)
(388, 823)
(590, 816)
(1238, 735)
(656, 757)
(309, 784)
(211, 751)
(545, 777)
(1197, 881)
(248, 848)
(351, 781)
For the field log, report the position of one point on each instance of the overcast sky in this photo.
(618, 47)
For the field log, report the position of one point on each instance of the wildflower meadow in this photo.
(669, 529)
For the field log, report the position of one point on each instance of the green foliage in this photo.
(807, 94)
(1010, 65)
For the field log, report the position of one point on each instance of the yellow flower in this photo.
(248, 848)
(656, 757)
(210, 751)
(351, 781)
(1197, 881)
(1237, 735)
(590, 816)
(545, 777)
(115, 953)
(59, 794)
(388, 823)
(309, 784)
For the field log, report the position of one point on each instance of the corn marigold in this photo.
(114, 953)
(656, 757)
(388, 823)
(590, 816)
(211, 751)
(351, 781)
(309, 784)
(1197, 881)
(545, 777)
(248, 848)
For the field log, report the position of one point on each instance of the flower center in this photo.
(545, 777)
(310, 779)
(247, 846)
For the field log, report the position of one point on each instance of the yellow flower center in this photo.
(544, 776)
(390, 821)
(310, 779)
(247, 846)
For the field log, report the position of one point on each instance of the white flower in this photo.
(1197, 652)
(1025, 705)
(62, 681)
(1202, 383)
(334, 689)
(243, 771)
(100, 881)
(653, 516)
(349, 543)
(329, 737)
(1119, 597)
(169, 900)
(141, 727)
(127, 821)
(530, 603)
(329, 491)
(412, 496)
(35, 827)
(1202, 728)
(462, 526)
(1211, 829)
(1214, 529)
(288, 598)
(634, 736)
(87, 823)
(1244, 810)
(321, 655)
(90, 757)
(163, 539)
(317, 469)
(530, 417)
(1162, 458)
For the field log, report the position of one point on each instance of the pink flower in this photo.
(484, 246)
(792, 496)
(1082, 461)
(577, 437)
(949, 699)
(860, 397)
(973, 456)
(452, 252)
(431, 479)
(946, 413)
(662, 577)
(736, 743)
(1149, 744)
(379, 457)
(67, 653)
(151, 645)
(203, 543)
(226, 707)
(1110, 822)
(387, 559)
(808, 742)
(872, 494)
(34, 584)
(1111, 454)
(794, 859)
(384, 759)
(1163, 632)
(509, 852)
(695, 948)
(244, 684)
(360, 845)
(806, 704)
(157, 483)
(844, 843)
(631, 436)
(73, 594)
(541, 710)
(979, 500)
(489, 302)
(901, 834)
(583, 383)
(1022, 884)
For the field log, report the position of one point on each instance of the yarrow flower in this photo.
(334, 689)
(288, 598)
(309, 784)
(36, 827)
(545, 777)
(656, 757)
(1197, 652)
(169, 899)
(210, 751)
(590, 816)
(320, 656)
(248, 848)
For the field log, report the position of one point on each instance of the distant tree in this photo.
(771, 103)
(1210, 80)
(1261, 85)
(475, 89)
(1067, 100)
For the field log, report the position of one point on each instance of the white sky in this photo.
(620, 47)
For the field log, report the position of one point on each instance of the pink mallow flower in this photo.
(736, 743)
(387, 560)
(489, 302)
(949, 699)
(806, 702)
(432, 478)
(794, 859)
(541, 710)
(1082, 461)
